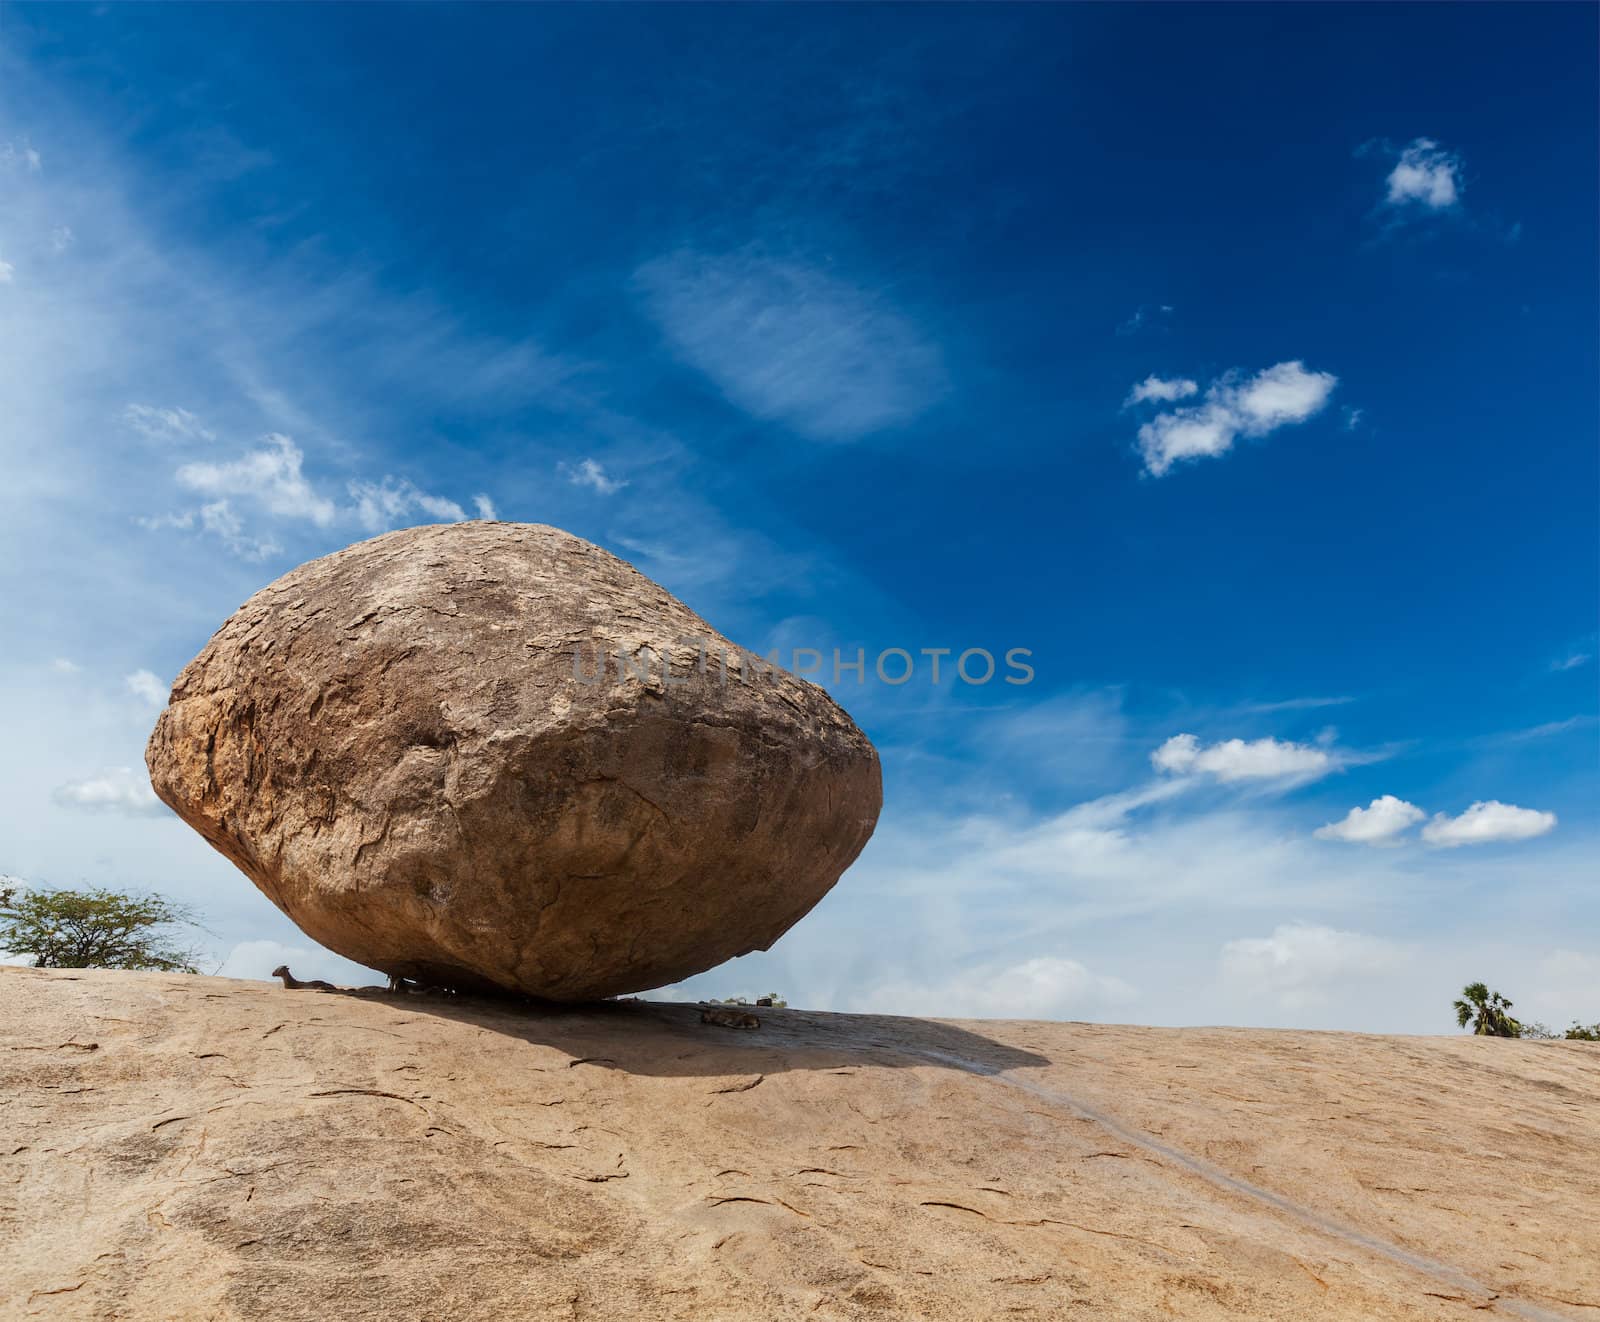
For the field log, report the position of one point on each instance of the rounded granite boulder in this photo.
(493, 756)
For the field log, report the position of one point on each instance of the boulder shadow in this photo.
(667, 1038)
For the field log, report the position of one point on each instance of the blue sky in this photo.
(1238, 362)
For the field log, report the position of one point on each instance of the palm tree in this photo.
(1486, 1011)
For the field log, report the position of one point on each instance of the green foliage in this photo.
(95, 929)
(1486, 1011)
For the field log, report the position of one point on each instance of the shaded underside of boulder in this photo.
(412, 748)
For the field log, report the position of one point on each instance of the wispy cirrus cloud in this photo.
(1235, 405)
(1297, 704)
(588, 473)
(166, 424)
(791, 343)
(1544, 730)
(131, 322)
(219, 519)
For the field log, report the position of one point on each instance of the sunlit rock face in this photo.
(421, 749)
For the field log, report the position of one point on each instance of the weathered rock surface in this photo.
(398, 745)
(197, 1148)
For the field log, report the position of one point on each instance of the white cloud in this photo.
(1305, 964)
(1046, 987)
(7, 273)
(12, 155)
(147, 687)
(1572, 662)
(1488, 822)
(155, 522)
(590, 474)
(791, 343)
(484, 507)
(120, 790)
(1544, 730)
(218, 519)
(1237, 759)
(1177, 755)
(1144, 316)
(62, 238)
(1381, 823)
(1154, 387)
(166, 424)
(1298, 704)
(1195, 433)
(1425, 175)
(693, 558)
(257, 959)
(65, 666)
(1234, 406)
(271, 476)
(1276, 397)
(383, 504)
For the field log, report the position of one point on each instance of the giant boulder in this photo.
(411, 748)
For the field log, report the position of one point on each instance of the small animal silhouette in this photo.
(294, 984)
(725, 1016)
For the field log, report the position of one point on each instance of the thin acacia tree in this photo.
(96, 929)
